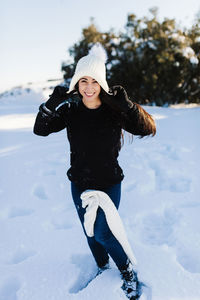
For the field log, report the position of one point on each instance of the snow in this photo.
(194, 60)
(188, 52)
(43, 252)
(179, 37)
(151, 45)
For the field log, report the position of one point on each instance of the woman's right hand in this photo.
(57, 97)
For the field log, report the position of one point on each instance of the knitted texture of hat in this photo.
(92, 65)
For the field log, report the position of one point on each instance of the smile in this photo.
(89, 95)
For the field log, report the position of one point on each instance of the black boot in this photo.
(130, 282)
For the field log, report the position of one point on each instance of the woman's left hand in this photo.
(117, 98)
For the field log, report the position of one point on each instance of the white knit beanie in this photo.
(92, 65)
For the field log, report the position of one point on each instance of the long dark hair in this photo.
(145, 124)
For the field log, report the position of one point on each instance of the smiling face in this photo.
(90, 89)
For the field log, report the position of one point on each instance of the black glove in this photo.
(117, 99)
(57, 97)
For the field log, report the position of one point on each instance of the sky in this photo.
(36, 35)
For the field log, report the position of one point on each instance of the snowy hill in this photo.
(43, 252)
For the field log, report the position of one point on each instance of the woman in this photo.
(94, 117)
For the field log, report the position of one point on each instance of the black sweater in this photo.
(94, 136)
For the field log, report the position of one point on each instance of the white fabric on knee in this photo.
(91, 200)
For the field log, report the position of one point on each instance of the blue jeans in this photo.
(103, 242)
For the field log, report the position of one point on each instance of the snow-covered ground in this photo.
(43, 252)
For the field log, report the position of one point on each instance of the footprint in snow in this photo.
(158, 228)
(14, 212)
(20, 255)
(87, 271)
(188, 258)
(39, 192)
(9, 288)
(170, 177)
(171, 152)
(61, 222)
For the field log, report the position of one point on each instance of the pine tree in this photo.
(156, 62)
(193, 82)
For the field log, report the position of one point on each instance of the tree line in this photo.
(157, 62)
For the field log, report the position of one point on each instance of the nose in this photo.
(89, 87)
